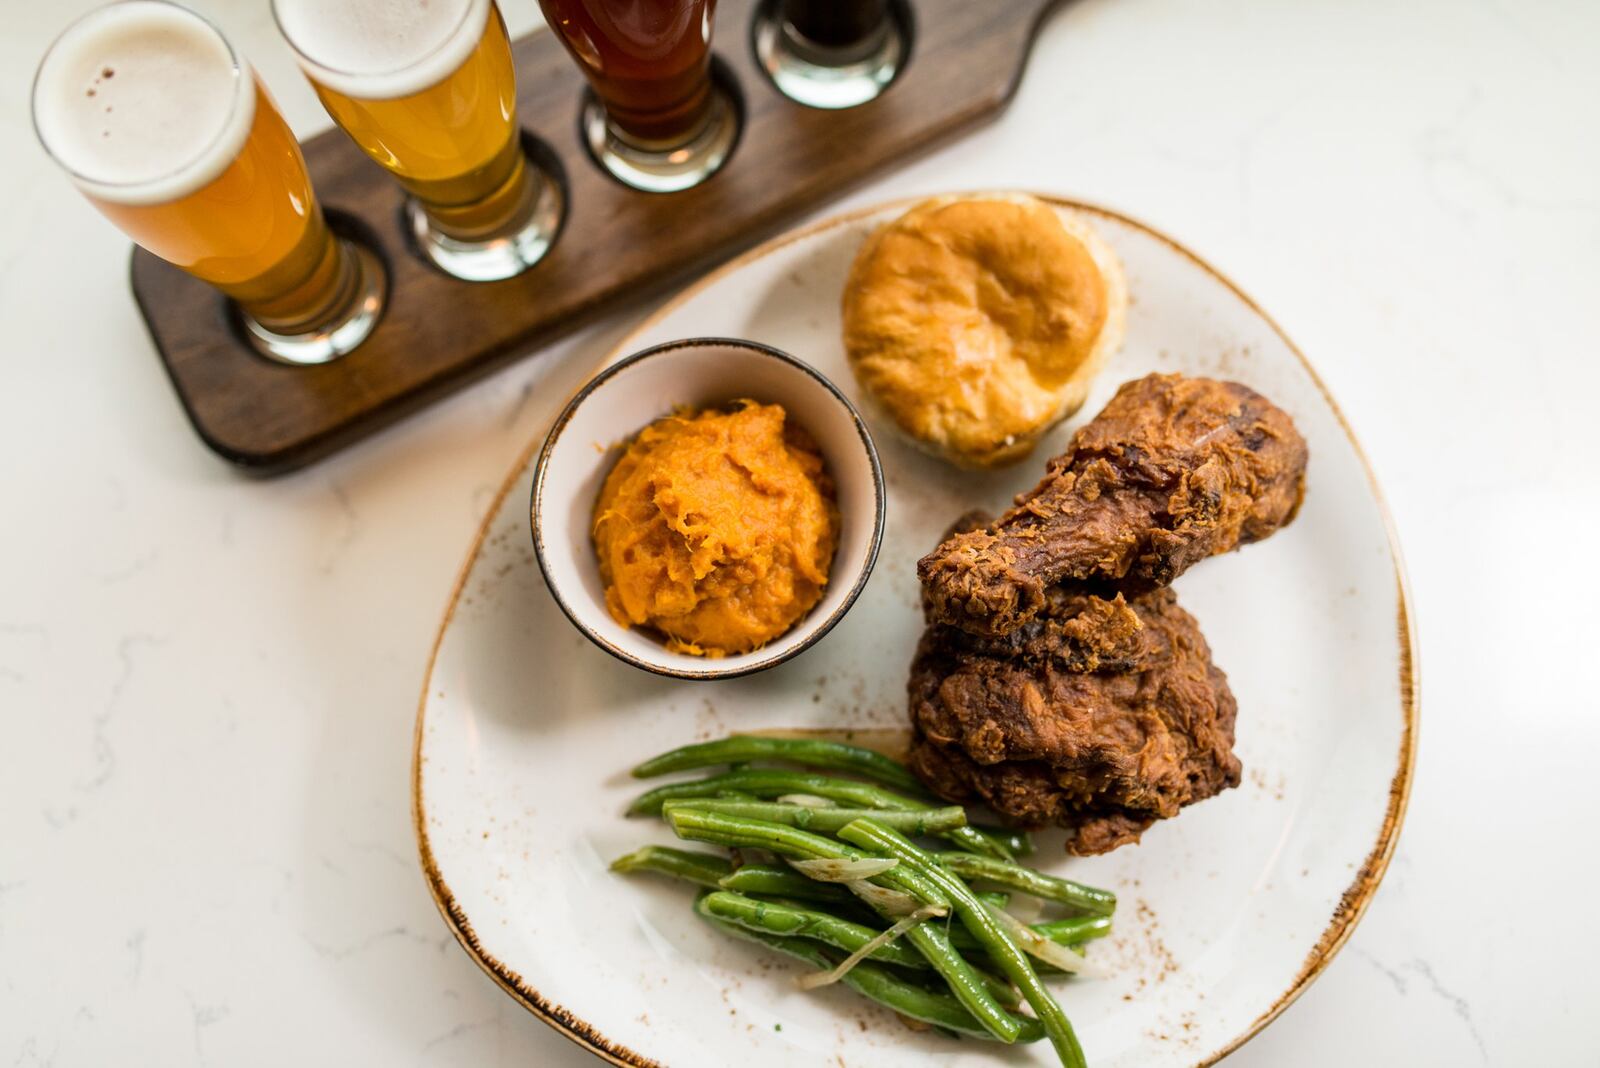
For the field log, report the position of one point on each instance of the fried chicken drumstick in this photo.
(1172, 471)
(1099, 715)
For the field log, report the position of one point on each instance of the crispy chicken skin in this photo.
(1099, 715)
(1173, 470)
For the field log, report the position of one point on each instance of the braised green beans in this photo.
(819, 754)
(1072, 931)
(1087, 898)
(855, 898)
(702, 869)
(1075, 930)
(975, 917)
(776, 782)
(772, 881)
(919, 822)
(780, 918)
(771, 783)
(881, 985)
(964, 980)
(775, 918)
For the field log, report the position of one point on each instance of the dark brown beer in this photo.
(836, 23)
(649, 61)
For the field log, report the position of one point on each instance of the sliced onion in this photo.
(1037, 945)
(816, 979)
(806, 801)
(890, 902)
(829, 870)
(1026, 908)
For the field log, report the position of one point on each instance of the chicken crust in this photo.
(1172, 470)
(1100, 715)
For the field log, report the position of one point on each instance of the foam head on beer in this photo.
(143, 102)
(381, 49)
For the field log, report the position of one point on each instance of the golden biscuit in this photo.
(977, 323)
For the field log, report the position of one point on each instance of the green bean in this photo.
(1072, 931)
(776, 883)
(779, 919)
(999, 989)
(775, 917)
(1007, 843)
(928, 938)
(1075, 930)
(704, 869)
(975, 917)
(776, 782)
(982, 841)
(809, 751)
(783, 882)
(1003, 992)
(1067, 892)
(920, 822)
(739, 833)
(879, 984)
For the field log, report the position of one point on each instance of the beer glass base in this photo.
(822, 77)
(497, 258)
(665, 170)
(335, 339)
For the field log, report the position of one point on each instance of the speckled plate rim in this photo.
(1352, 903)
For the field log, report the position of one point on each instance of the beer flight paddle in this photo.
(961, 65)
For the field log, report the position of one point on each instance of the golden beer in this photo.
(169, 134)
(255, 231)
(429, 92)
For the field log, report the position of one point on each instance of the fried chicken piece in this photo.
(1099, 715)
(1076, 630)
(1172, 471)
(1084, 632)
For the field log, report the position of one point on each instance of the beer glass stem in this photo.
(665, 166)
(356, 288)
(497, 237)
(830, 54)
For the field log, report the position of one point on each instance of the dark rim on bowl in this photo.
(879, 507)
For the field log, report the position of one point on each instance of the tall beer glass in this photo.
(830, 53)
(167, 131)
(428, 90)
(656, 119)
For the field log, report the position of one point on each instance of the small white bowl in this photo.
(634, 392)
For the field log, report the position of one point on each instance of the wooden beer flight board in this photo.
(618, 244)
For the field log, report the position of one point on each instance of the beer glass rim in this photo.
(244, 94)
(364, 84)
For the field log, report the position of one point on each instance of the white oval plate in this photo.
(525, 730)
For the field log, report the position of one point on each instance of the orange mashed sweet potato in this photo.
(717, 529)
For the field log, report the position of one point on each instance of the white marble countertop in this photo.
(207, 683)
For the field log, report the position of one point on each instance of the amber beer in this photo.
(169, 134)
(648, 60)
(428, 90)
(657, 120)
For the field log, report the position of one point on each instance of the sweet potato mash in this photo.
(717, 529)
